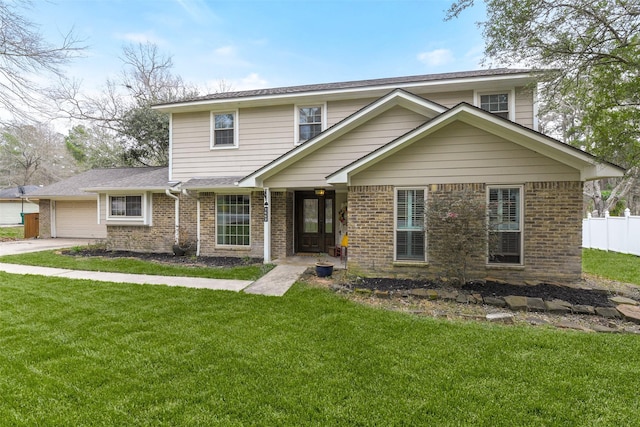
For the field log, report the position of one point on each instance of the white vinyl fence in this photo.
(612, 233)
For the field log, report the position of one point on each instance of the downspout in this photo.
(197, 197)
(177, 214)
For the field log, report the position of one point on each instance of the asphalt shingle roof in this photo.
(211, 182)
(105, 178)
(16, 192)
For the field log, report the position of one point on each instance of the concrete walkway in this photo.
(275, 283)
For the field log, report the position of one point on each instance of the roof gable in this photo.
(589, 166)
(395, 98)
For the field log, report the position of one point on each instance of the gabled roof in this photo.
(589, 166)
(81, 185)
(395, 98)
(343, 90)
(17, 192)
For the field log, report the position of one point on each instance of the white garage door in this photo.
(78, 220)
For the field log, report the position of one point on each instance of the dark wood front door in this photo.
(314, 221)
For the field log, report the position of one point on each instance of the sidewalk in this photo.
(275, 283)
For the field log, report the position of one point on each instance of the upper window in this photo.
(497, 104)
(233, 219)
(224, 129)
(125, 206)
(505, 225)
(309, 122)
(410, 230)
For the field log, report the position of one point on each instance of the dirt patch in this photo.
(187, 260)
(548, 292)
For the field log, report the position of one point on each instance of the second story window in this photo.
(310, 122)
(497, 104)
(224, 130)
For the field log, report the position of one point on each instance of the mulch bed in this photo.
(547, 292)
(188, 260)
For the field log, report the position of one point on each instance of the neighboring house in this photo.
(13, 205)
(274, 172)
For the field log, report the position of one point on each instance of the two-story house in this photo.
(274, 172)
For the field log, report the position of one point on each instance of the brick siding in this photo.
(552, 234)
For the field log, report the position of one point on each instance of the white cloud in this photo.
(148, 37)
(225, 51)
(436, 57)
(249, 82)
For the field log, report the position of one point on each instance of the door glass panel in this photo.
(310, 215)
(328, 215)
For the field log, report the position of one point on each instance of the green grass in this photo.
(612, 265)
(136, 266)
(12, 232)
(82, 353)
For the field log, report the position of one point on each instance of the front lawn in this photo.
(11, 233)
(130, 265)
(612, 265)
(76, 352)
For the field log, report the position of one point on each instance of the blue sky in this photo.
(256, 44)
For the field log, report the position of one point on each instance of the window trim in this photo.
(424, 260)
(226, 245)
(296, 114)
(212, 130)
(520, 188)
(144, 217)
(511, 93)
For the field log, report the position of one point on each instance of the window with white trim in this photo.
(125, 206)
(410, 225)
(224, 130)
(309, 122)
(497, 104)
(233, 219)
(505, 225)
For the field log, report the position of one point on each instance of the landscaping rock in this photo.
(572, 325)
(420, 293)
(537, 321)
(630, 312)
(623, 300)
(536, 304)
(604, 329)
(556, 307)
(449, 296)
(362, 291)
(432, 294)
(516, 303)
(497, 302)
(381, 294)
(608, 312)
(500, 317)
(584, 309)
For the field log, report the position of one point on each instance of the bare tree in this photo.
(24, 53)
(33, 154)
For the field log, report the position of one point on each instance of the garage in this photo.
(78, 219)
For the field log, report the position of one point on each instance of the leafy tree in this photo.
(94, 148)
(25, 57)
(590, 51)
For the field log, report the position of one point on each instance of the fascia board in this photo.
(374, 109)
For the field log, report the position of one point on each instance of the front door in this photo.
(314, 221)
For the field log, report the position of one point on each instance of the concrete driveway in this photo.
(35, 245)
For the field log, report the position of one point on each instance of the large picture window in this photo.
(410, 230)
(505, 225)
(233, 220)
(125, 206)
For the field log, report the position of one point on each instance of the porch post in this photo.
(267, 225)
